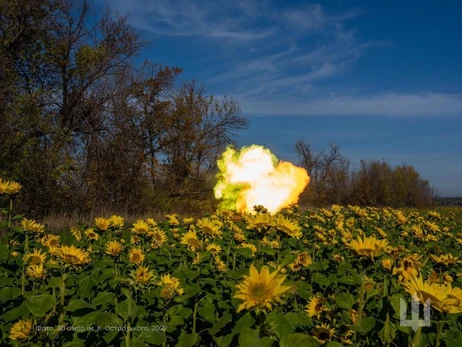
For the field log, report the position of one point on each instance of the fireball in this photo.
(254, 176)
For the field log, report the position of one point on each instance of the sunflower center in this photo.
(71, 258)
(259, 291)
(324, 335)
(193, 242)
(136, 257)
(158, 237)
(36, 260)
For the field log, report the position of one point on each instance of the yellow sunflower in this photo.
(188, 220)
(190, 239)
(170, 286)
(76, 233)
(9, 187)
(445, 259)
(260, 290)
(252, 247)
(37, 272)
(102, 223)
(368, 246)
(91, 234)
(116, 221)
(158, 238)
(140, 227)
(37, 257)
(382, 233)
(136, 256)
(214, 248)
(73, 256)
(316, 306)
(210, 227)
(21, 330)
(220, 264)
(323, 333)
(426, 290)
(50, 240)
(114, 248)
(143, 275)
(173, 219)
(387, 264)
(259, 221)
(288, 226)
(32, 226)
(453, 301)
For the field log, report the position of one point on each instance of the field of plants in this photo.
(332, 277)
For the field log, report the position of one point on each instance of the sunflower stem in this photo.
(10, 213)
(63, 297)
(416, 339)
(438, 333)
(129, 311)
(23, 277)
(361, 298)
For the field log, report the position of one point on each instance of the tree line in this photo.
(85, 127)
(374, 183)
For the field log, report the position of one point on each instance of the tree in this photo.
(328, 171)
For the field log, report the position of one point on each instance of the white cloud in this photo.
(391, 104)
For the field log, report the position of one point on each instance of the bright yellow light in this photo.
(254, 176)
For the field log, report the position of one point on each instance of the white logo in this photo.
(414, 322)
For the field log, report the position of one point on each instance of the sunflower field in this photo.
(344, 276)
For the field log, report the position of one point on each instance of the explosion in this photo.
(254, 176)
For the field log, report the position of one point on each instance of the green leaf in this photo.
(334, 344)
(344, 300)
(153, 337)
(187, 340)
(39, 305)
(395, 303)
(320, 279)
(367, 324)
(452, 338)
(190, 274)
(221, 323)
(269, 251)
(250, 338)
(298, 319)
(245, 321)
(207, 311)
(102, 298)
(245, 252)
(101, 319)
(298, 339)
(388, 333)
(342, 268)
(55, 282)
(279, 324)
(17, 312)
(351, 280)
(289, 258)
(77, 304)
(175, 320)
(374, 292)
(74, 344)
(4, 252)
(190, 291)
(9, 293)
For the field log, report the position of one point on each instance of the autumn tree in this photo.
(328, 171)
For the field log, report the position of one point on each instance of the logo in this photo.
(414, 322)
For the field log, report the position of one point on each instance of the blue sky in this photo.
(380, 79)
